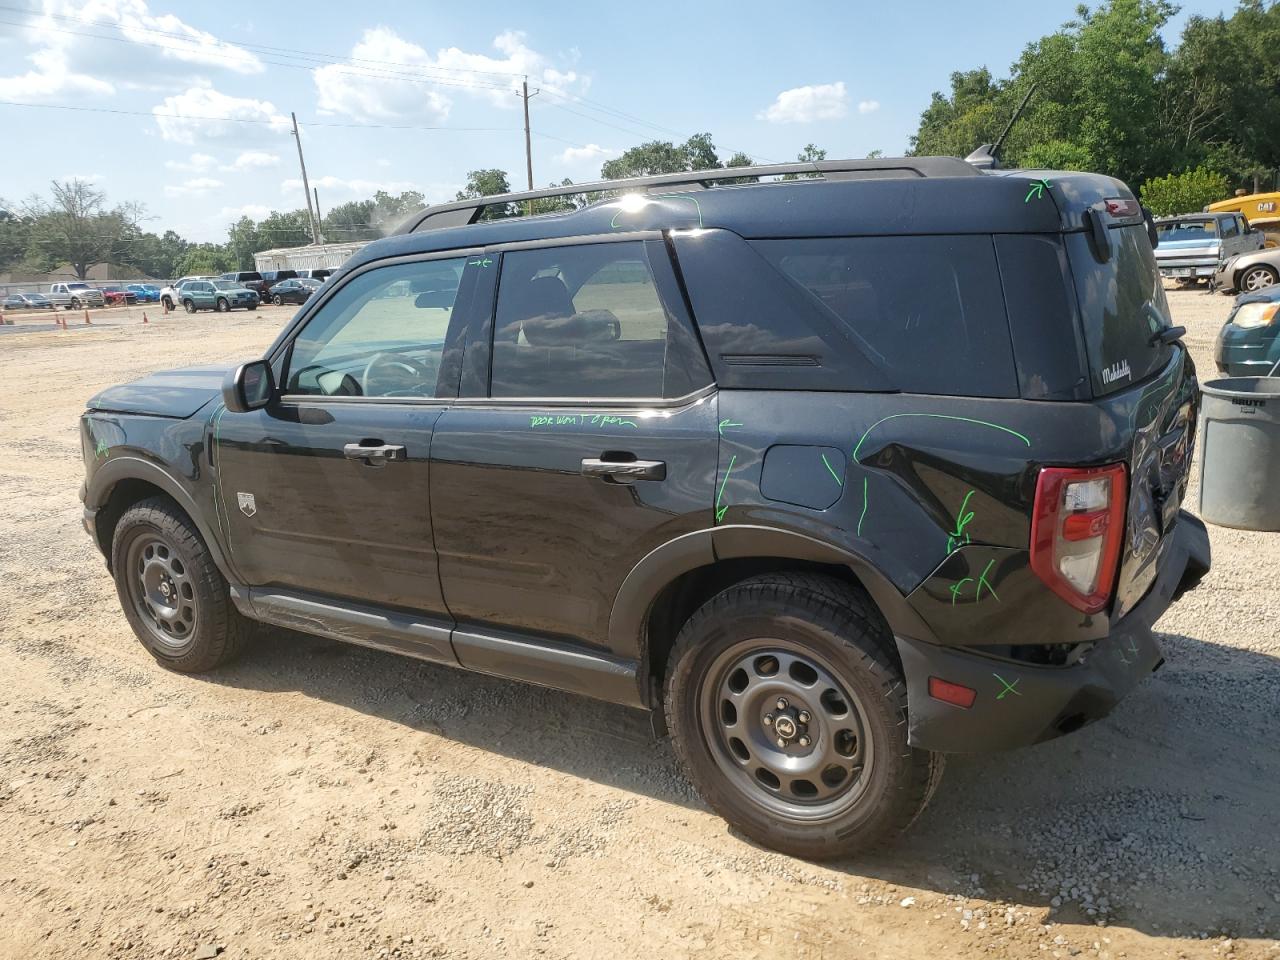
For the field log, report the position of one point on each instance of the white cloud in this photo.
(868, 106)
(414, 87)
(589, 153)
(255, 211)
(196, 163)
(195, 187)
(824, 101)
(70, 58)
(185, 118)
(253, 160)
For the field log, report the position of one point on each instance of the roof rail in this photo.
(462, 212)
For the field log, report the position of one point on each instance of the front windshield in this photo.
(1187, 230)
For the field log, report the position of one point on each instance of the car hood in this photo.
(166, 393)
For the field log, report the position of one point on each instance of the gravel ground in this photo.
(317, 800)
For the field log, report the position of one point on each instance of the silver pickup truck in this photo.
(75, 295)
(1193, 246)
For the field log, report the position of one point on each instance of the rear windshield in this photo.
(928, 311)
(1122, 304)
(1187, 230)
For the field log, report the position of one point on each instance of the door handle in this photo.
(624, 471)
(375, 453)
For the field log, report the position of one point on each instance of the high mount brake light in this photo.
(1122, 209)
(1077, 527)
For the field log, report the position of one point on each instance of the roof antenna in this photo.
(987, 156)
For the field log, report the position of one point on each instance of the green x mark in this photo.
(1008, 687)
(479, 263)
(1037, 190)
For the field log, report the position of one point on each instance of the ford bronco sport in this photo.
(835, 476)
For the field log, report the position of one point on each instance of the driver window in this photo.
(381, 335)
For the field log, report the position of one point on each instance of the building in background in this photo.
(310, 257)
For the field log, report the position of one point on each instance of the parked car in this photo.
(271, 277)
(117, 295)
(1248, 344)
(293, 291)
(75, 295)
(834, 476)
(248, 278)
(220, 295)
(1249, 272)
(317, 273)
(145, 292)
(27, 301)
(1194, 247)
(171, 295)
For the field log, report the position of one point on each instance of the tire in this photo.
(221, 305)
(74, 305)
(278, 300)
(833, 661)
(1257, 277)
(253, 306)
(189, 306)
(156, 553)
(166, 303)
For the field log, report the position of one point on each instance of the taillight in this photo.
(1076, 530)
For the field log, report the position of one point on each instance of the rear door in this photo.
(584, 437)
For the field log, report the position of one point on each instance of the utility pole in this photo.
(319, 216)
(306, 186)
(528, 146)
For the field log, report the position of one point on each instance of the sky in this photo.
(185, 107)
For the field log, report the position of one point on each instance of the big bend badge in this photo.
(247, 504)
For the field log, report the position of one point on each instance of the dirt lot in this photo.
(319, 800)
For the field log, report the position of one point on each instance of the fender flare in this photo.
(662, 565)
(119, 468)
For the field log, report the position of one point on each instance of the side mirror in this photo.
(249, 386)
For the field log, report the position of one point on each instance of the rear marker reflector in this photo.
(952, 693)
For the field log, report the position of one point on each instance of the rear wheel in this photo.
(278, 300)
(1257, 277)
(788, 712)
(173, 594)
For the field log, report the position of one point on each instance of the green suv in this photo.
(220, 295)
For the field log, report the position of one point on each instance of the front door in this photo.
(590, 441)
(325, 491)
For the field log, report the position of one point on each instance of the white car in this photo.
(170, 297)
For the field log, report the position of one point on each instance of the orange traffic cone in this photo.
(86, 318)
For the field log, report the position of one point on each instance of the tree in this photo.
(74, 229)
(206, 258)
(15, 234)
(352, 220)
(663, 156)
(389, 211)
(288, 229)
(244, 240)
(487, 183)
(1187, 192)
(810, 154)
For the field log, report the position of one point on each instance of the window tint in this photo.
(927, 311)
(380, 335)
(1230, 227)
(583, 321)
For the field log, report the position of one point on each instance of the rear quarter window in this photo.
(927, 311)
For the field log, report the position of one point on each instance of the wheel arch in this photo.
(673, 580)
(124, 481)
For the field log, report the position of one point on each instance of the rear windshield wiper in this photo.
(1167, 335)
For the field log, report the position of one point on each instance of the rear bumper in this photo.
(1019, 704)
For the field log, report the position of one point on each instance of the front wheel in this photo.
(1257, 278)
(787, 709)
(222, 306)
(189, 306)
(173, 594)
(74, 305)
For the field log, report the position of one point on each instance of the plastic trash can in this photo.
(1240, 453)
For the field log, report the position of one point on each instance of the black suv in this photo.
(251, 279)
(837, 475)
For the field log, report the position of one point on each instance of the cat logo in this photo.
(247, 504)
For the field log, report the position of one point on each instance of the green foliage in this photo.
(205, 258)
(663, 156)
(810, 154)
(1187, 192)
(487, 183)
(76, 228)
(1112, 98)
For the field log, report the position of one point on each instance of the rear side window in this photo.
(1122, 304)
(586, 321)
(927, 311)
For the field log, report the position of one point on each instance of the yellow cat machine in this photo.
(1262, 210)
